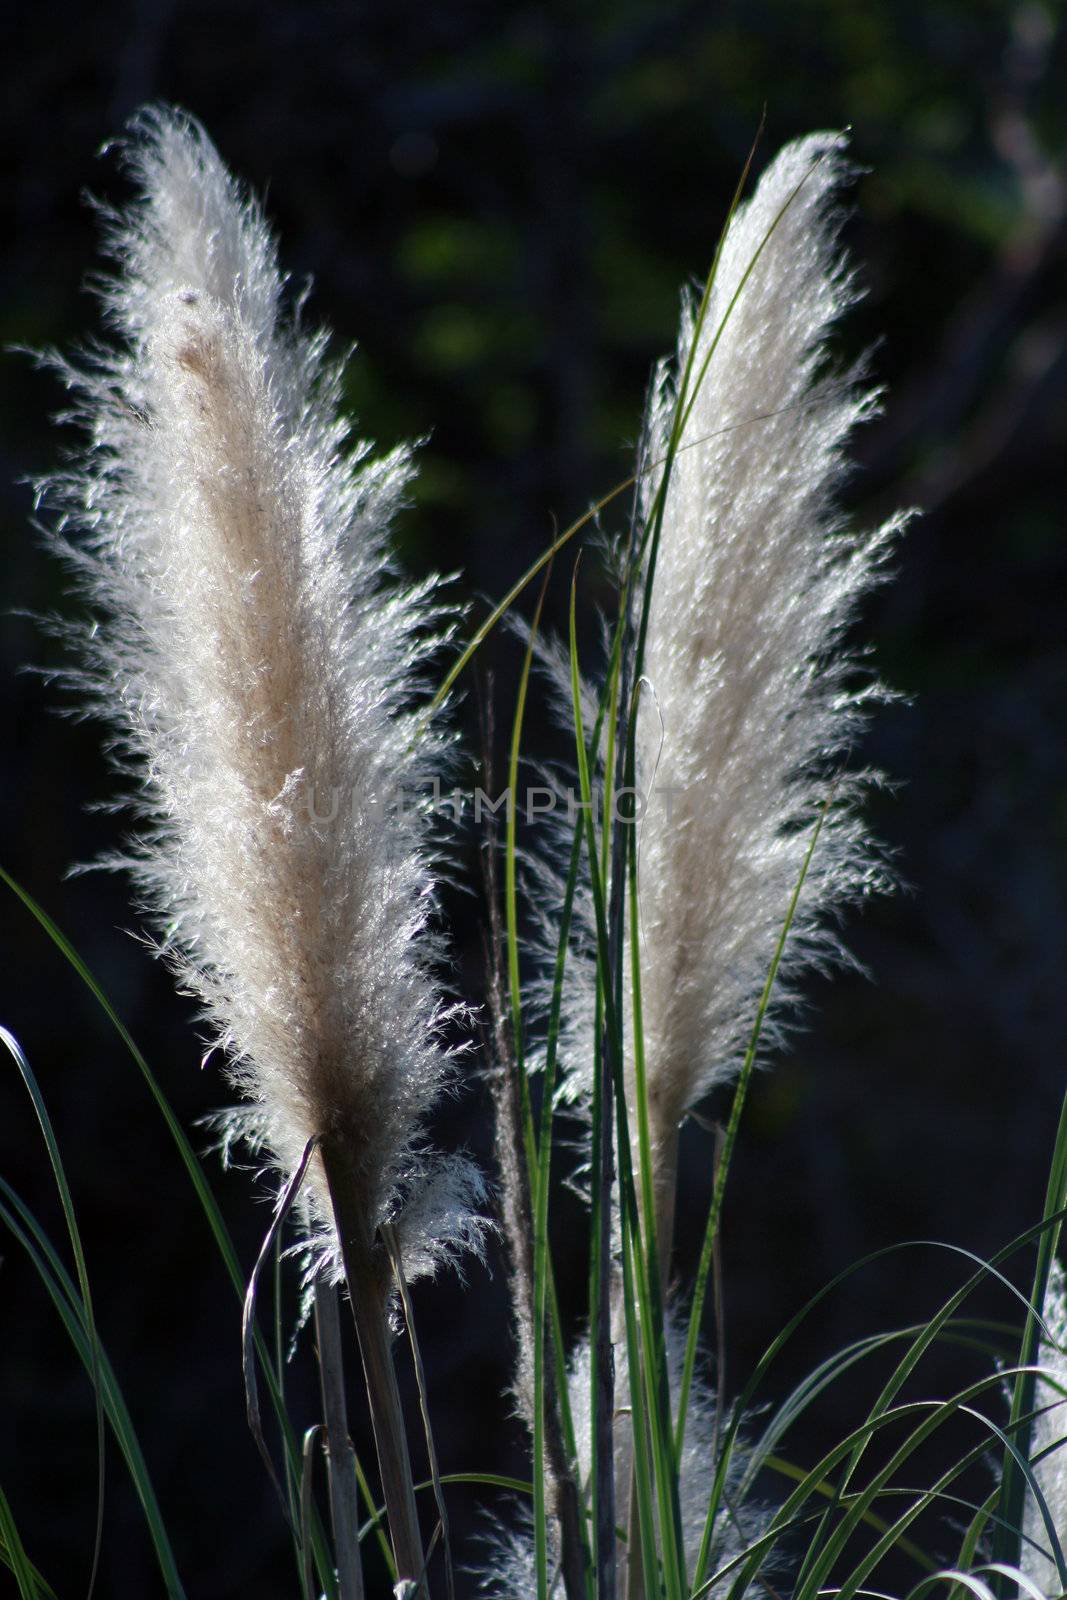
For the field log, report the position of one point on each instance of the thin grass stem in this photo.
(368, 1296)
(208, 1204)
(392, 1244)
(17, 1054)
(340, 1456)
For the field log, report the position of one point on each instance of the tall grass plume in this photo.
(260, 667)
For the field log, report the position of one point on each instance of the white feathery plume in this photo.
(510, 1574)
(1049, 1434)
(750, 701)
(259, 671)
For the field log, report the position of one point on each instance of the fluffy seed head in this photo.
(511, 1573)
(750, 700)
(259, 671)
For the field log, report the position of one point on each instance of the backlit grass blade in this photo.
(551, 1054)
(208, 1203)
(594, 511)
(63, 1292)
(730, 1139)
(392, 1244)
(828, 1491)
(930, 1415)
(643, 1488)
(248, 1319)
(601, 1398)
(13, 1554)
(652, 1271)
(540, 1244)
(923, 1340)
(926, 1337)
(972, 1538)
(304, 1507)
(938, 1414)
(17, 1054)
(502, 608)
(1007, 1538)
(834, 1368)
(646, 1351)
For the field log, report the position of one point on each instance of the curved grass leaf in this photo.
(13, 1554)
(26, 1230)
(17, 1054)
(1007, 1539)
(921, 1343)
(208, 1204)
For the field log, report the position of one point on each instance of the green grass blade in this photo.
(644, 1137)
(590, 516)
(739, 291)
(927, 1335)
(1007, 1537)
(937, 1413)
(535, 1160)
(711, 1230)
(959, 1580)
(688, 390)
(517, 588)
(832, 1369)
(13, 1554)
(248, 1322)
(723, 1168)
(206, 1198)
(923, 1340)
(378, 1519)
(829, 1491)
(543, 1150)
(305, 1501)
(292, 1485)
(538, 1147)
(510, 860)
(26, 1230)
(601, 1386)
(652, 1311)
(822, 1472)
(551, 1049)
(17, 1054)
(647, 1355)
(1012, 1574)
(639, 1430)
(393, 1246)
(486, 1480)
(974, 1534)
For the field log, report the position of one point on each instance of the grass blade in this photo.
(248, 1320)
(25, 1229)
(13, 1554)
(307, 1475)
(540, 1520)
(208, 1203)
(15, 1050)
(1007, 1537)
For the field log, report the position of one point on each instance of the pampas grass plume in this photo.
(259, 669)
(751, 698)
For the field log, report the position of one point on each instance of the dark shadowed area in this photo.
(499, 205)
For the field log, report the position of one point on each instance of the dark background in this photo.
(500, 204)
